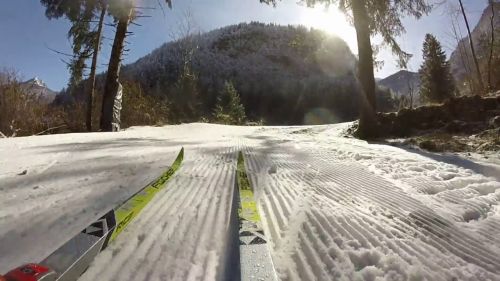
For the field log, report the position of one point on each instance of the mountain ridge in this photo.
(402, 83)
(36, 86)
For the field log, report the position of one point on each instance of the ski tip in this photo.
(179, 159)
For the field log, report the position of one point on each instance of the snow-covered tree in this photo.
(281, 72)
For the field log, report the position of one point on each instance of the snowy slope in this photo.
(334, 208)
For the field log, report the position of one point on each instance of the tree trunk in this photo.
(411, 89)
(492, 42)
(471, 43)
(368, 119)
(463, 55)
(109, 120)
(91, 80)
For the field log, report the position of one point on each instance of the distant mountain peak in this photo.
(36, 86)
(35, 81)
(402, 72)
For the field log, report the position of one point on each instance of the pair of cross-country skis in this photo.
(70, 261)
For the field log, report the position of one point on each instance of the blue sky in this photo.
(27, 34)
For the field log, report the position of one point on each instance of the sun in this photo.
(330, 20)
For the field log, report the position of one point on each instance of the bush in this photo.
(140, 109)
(23, 113)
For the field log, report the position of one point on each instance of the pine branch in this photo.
(59, 52)
(68, 64)
(144, 8)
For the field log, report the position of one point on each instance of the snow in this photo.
(334, 208)
(39, 82)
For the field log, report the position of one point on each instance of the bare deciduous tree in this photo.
(473, 51)
(456, 33)
(492, 43)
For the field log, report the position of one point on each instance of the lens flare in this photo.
(320, 116)
(330, 20)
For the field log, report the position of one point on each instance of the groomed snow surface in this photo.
(334, 208)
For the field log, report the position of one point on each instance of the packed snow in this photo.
(333, 208)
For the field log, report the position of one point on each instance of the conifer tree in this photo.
(436, 80)
(124, 11)
(86, 42)
(79, 13)
(229, 109)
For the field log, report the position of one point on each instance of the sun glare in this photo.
(330, 20)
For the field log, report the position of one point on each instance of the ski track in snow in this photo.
(68, 184)
(181, 234)
(334, 208)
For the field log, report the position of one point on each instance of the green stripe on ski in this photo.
(126, 212)
(248, 208)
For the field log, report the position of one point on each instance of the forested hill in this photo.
(284, 74)
(402, 83)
